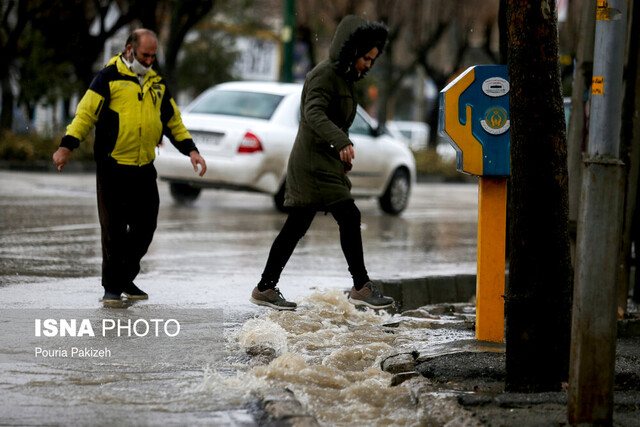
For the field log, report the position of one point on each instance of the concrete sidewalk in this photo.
(473, 376)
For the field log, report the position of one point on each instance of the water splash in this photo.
(265, 333)
(332, 361)
(328, 353)
(236, 389)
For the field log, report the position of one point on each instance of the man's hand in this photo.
(196, 159)
(61, 157)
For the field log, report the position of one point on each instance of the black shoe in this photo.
(134, 292)
(271, 298)
(111, 297)
(369, 296)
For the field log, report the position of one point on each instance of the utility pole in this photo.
(576, 133)
(594, 321)
(288, 40)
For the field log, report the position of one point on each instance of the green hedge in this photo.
(26, 148)
(430, 163)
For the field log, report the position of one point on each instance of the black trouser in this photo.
(348, 217)
(128, 205)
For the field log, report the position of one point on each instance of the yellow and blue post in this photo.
(474, 117)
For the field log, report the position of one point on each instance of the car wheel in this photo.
(184, 194)
(278, 199)
(396, 197)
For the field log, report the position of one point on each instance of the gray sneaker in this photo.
(271, 298)
(369, 296)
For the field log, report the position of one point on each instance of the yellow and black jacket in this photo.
(130, 118)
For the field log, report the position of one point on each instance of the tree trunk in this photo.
(503, 31)
(6, 116)
(184, 15)
(386, 71)
(538, 298)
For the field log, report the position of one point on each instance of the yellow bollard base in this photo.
(490, 282)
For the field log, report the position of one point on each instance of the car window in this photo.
(360, 126)
(236, 103)
(406, 133)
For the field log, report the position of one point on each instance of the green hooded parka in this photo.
(315, 174)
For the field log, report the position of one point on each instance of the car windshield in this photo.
(360, 126)
(236, 103)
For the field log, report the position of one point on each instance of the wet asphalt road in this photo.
(206, 256)
(211, 254)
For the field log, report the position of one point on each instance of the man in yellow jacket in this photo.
(131, 108)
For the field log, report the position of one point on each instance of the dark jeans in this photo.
(128, 205)
(348, 217)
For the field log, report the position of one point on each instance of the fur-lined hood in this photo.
(355, 37)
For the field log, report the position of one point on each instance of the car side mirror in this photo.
(378, 130)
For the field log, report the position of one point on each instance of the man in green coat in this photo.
(320, 160)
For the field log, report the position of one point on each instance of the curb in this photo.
(417, 292)
(414, 293)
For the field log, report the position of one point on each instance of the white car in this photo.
(245, 131)
(417, 133)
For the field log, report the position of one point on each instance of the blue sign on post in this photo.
(474, 117)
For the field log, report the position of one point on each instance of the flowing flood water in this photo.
(329, 355)
(199, 272)
(327, 352)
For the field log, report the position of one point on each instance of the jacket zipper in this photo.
(141, 97)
